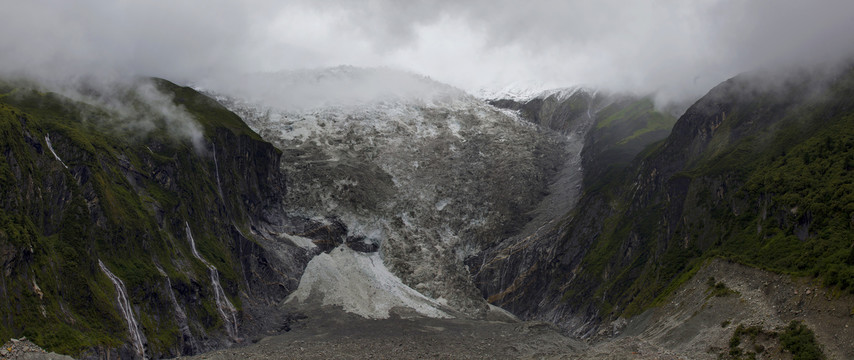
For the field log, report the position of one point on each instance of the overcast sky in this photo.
(676, 48)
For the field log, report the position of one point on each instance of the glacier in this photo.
(430, 174)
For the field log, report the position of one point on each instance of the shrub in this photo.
(798, 339)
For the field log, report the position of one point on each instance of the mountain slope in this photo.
(753, 172)
(138, 202)
(514, 274)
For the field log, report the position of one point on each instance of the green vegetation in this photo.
(625, 128)
(123, 200)
(209, 113)
(752, 333)
(639, 114)
(718, 289)
(798, 339)
(763, 180)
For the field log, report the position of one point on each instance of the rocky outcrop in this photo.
(558, 110)
(23, 348)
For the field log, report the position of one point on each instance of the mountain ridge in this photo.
(580, 208)
(634, 237)
(77, 195)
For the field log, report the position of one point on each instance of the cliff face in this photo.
(184, 221)
(518, 274)
(756, 171)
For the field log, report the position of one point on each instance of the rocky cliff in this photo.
(140, 221)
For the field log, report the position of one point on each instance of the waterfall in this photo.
(225, 308)
(136, 336)
(50, 146)
(180, 315)
(216, 167)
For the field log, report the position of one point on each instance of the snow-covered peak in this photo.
(519, 91)
(336, 87)
(524, 91)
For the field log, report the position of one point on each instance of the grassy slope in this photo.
(623, 129)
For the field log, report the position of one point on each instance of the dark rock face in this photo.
(75, 192)
(559, 111)
(530, 274)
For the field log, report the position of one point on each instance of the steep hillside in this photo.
(127, 221)
(757, 171)
(514, 274)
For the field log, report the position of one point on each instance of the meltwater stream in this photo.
(225, 308)
(218, 184)
(136, 336)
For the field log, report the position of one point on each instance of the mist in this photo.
(674, 49)
(131, 107)
(340, 86)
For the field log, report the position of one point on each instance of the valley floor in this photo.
(698, 323)
(333, 334)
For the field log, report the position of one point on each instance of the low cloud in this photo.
(676, 49)
(133, 107)
(339, 86)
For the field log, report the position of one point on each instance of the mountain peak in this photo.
(524, 91)
(340, 86)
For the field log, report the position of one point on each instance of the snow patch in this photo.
(522, 92)
(442, 203)
(300, 241)
(518, 91)
(454, 126)
(361, 284)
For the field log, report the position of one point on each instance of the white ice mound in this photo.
(362, 285)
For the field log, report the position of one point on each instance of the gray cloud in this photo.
(51, 39)
(340, 86)
(677, 49)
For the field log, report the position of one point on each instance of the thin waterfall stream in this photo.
(50, 147)
(225, 308)
(216, 167)
(136, 336)
(180, 314)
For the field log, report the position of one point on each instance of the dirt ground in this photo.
(329, 333)
(698, 325)
(693, 325)
(333, 334)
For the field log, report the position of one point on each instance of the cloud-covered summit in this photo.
(675, 48)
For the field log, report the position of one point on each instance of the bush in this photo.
(798, 339)
(718, 289)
